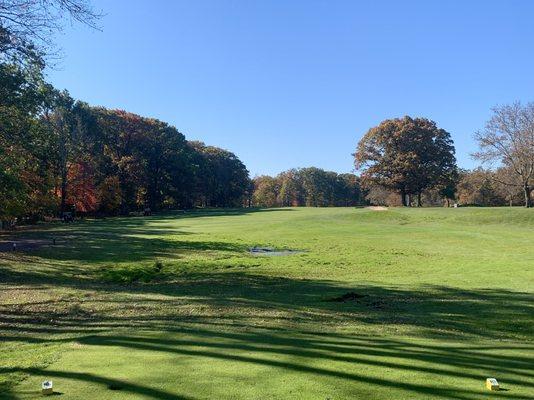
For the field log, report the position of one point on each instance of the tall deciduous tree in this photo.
(223, 179)
(291, 192)
(313, 187)
(508, 139)
(477, 188)
(24, 144)
(408, 155)
(61, 120)
(508, 185)
(266, 191)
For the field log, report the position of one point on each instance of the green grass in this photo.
(175, 307)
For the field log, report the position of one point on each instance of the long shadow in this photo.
(129, 387)
(429, 311)
(301, 349)
(94, 247)
(272, 349)
(128, 223)
(126, 239)
(260, 320)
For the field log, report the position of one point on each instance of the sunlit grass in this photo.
(175, 306)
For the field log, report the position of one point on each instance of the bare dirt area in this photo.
(377, 208)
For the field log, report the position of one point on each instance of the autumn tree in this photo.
(61, 121)
(26, 147)
(312, 187)
(266, 191)
(316, 186)
(477, 188)
(347, 190)
(290, 192)
(508, 185)
(378, 195)
(151, 160)
(508, 139)
(408, 155)
(82, 193)
(110, 195)
(57, 153)
(24, 144)
(222, 178)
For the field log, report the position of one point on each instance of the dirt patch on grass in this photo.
(377, 208)
(360, 298)
(350, 296)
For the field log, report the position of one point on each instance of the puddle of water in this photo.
(272, 252)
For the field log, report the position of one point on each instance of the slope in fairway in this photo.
(176, 307)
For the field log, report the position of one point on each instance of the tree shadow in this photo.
(351, 353)
(254, 319)
(430, 311)
(124, 239)
(94, 246)
(262, 320)
(132, 388)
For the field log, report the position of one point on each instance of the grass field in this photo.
(175, 307)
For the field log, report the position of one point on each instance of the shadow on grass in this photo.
(261, 320)
(352, 354)
(430, 311)
(290, 310)
(433, 311)
(119, 239)
(132, 388)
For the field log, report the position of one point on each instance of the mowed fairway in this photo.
(175, 307)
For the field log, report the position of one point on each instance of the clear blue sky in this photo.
(297, 83)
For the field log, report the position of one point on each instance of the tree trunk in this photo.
(419, 202)
(403, 197)
(64, 177)
(528, 200)
(63, 136)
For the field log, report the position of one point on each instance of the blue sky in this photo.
(297, 83)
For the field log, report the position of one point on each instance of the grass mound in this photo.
(125, 274)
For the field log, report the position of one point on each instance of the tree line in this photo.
(402, 161)
(59, 155)
(479, 187)
(411, 162)
(311, 187)
(412, 157)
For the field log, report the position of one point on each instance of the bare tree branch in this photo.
(27, 26)
(508, 139)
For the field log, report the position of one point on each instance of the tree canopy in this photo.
(311, 187)
(407, 155)
(71, 156)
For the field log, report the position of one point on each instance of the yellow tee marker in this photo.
(492, 384)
